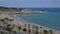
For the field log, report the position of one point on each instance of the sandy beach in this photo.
(19, 21)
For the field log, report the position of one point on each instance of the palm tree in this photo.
(13, 25)
(28, 26)
(0, 26)
(29, 30)
(36, 30)
(9, 28)
(45, 31)
(24, 29)
(50, 32)
(41, 31)
(11, 21)
(25, 25)
(33, 29)
(4, 23)
(6, 18)
(2, 20)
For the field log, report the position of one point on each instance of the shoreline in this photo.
(31, 22)
(21, 22)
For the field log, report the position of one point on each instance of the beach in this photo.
(19, 21)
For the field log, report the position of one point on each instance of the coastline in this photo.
(18, 18)
(21, 22)
(32, 23)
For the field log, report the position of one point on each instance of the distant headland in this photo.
(19, 10)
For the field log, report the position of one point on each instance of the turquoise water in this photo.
(51, 20)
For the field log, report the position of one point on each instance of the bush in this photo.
(45, 31)
(0, 26)
(9, 29)
(8, 25)
(51, 32)
(24, 29)
(19, 27)
(36, 32)
(29, 30)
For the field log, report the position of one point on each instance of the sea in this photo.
(50, 20)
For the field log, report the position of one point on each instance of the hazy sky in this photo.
(30, 3)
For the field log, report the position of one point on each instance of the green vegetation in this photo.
(36, 29)
(29, 31)
(6, 18)
(6, 9)
(9, 28)
(36, 32)
(11, 21)
(0, 26)
(45, 31)
(2, 20)
(19, 27)
(24, 30)
(50, 31)
(27, 28)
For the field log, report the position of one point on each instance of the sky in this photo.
(30, 3)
